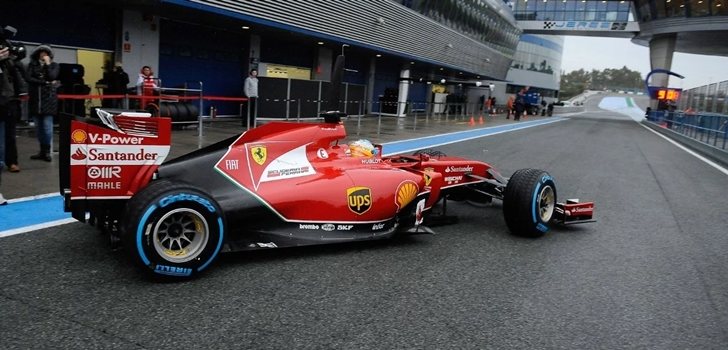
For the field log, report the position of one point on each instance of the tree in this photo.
(575, 82)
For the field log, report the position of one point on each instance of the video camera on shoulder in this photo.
(17, 51)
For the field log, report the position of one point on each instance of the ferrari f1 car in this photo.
(279, 185)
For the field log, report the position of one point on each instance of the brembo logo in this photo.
(360, 199)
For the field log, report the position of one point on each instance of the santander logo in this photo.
(78, 155)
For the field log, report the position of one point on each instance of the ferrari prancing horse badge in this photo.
(259, 154)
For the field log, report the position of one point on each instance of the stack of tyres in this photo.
(179, 111)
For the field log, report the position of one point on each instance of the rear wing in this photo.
(109, 158)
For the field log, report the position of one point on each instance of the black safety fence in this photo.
(191, 107)
(311, 108)
(184, 106)
(710, 129)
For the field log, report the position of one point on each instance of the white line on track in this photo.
(706, 160)
(30, 198)
(636, 115)
(25, 229)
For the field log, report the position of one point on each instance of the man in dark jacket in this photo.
(12, 84)
(12, 116)
(116, 81)
(521, 104)
(42, 75)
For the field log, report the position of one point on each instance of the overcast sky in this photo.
(600, 53)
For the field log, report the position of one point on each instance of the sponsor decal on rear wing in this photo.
(115, 161)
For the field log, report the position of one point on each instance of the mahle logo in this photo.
(259, 153)
(360, 199)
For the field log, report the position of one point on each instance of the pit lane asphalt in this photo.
(651, 273)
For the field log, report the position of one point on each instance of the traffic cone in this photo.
(472, 121)
(480, 121)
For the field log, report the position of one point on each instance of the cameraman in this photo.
(11, 85)
(42, 78)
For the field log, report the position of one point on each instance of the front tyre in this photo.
(173, 230)
(528, 202)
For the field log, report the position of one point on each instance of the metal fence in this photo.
(379, 108)
(710, 129)
(709, 98)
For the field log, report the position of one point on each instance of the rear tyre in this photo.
(172, 230)
(529, 202)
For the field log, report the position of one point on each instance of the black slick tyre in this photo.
(173, 231)
(528, 202)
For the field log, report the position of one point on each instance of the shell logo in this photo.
(79, 136)
(406, 193)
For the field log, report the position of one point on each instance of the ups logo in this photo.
(360, 199)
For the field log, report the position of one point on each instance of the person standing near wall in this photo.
(12, 85)
(7, 91)
(12, 116)
(251, 92)
(116, 81)
(2, 158)
(520, 104)
(510, 105)
(488, 105)
(146, 83)
(42, 80)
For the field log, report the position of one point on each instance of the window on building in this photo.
(720, 7)
(571, 5)
(699, 8)
(674, 8)
(643, 10)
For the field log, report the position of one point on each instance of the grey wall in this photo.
(376, 24)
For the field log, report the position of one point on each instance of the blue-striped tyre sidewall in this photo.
(520, 203)
(149, 206)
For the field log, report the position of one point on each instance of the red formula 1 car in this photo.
(278, 185)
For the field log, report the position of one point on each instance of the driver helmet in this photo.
(362, 149)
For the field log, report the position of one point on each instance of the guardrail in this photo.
(182, 105)
(185, 106)
(709, 129)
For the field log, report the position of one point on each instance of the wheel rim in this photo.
(546, 202)
(181, 235)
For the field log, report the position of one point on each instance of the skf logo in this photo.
(78, 155)
(360, 199)
(259, 153)
(78, 136)
(406, 192)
